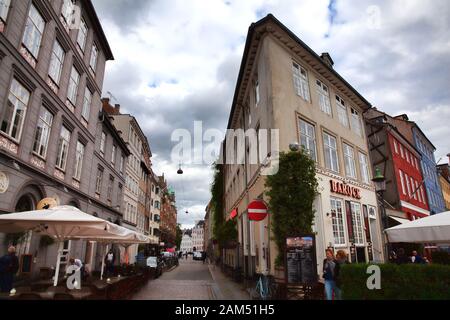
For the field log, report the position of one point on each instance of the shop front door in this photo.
(361, 255)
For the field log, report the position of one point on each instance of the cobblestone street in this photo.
(191, 280)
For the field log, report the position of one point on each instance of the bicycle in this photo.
(264, 288)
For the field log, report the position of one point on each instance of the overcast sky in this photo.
(177, 61)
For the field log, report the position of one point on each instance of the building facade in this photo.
(412, 132)
(51, 78)
(399, 161)
(155, 208)
(208, 234)
(198, 236)
(444, 180)
(168, 222)
(284, 85)
(186, 242)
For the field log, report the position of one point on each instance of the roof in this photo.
(98, 27)
(404, 117)
(251, 30)
(107, 122)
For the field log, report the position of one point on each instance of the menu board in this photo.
(301, 267)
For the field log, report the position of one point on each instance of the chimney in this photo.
(117, 108)
(327, 59)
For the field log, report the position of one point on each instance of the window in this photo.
(407, 185)
(82, 35)
(119, 193)
(395, 146)
(122, 160)
(257, 96)
(324, 97)
(418, 192)
(402, 181)
(308, 138)
(357, 223)
(342, 111)
(56, 62)
(67, 10)
(103, 143)
(110, 187)
(407, 155)
(402, 152)
(79, 160)
(331, 156)
(43, 130)
(338, 221)
(94, 56)
(355, 122)
(98, 181)
(300, 81)
(412, 188)
(86, 104)
(364, 167)
(73, 86)
(4, 8)
(63, 148)
(33, 31)
(15, 110)
(113, 154)
(349, 161)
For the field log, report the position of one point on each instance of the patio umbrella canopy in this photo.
(61, 223)
(432, 229)
(68, 223)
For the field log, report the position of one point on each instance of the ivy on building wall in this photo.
(291, 194)
(223, 231)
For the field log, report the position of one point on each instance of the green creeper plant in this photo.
(291, 193)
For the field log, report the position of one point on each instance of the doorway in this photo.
(361, 255)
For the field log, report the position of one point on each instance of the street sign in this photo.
(257, 210)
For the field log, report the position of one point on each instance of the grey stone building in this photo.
(51, 125)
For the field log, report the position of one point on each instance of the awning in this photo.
(400, 220)
(433, 229)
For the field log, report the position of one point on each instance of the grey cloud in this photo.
(124, 13)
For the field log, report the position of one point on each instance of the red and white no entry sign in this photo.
(257, 210)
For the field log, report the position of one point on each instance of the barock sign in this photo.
(345, 189)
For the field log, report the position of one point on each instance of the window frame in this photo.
(356, 119)
(365, 178)
(59, 61)
(342, 111)
(301, 81)
(87, 102)
(85, 35)
(22, 93)
(340, 228)
(330, 153)
(5, 12)
(79, 158)
(29, 33)
(309, 139)
(73, 86)
(351, 157)
(102, 143)
(323, 93)
(61, 157)
(93, 65)
(99, 180)
(46, 123)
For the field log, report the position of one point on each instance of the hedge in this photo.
(398, 282)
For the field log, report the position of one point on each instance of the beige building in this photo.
(155, 208)
(284, 85)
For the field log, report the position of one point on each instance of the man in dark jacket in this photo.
(109, 261)
(9, 265)
(329, 265)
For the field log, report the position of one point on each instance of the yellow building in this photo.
(284, 85)
(444, 180)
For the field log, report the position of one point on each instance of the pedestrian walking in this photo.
(329, 265)
(9, 265)
(341, 259)
(109, 262)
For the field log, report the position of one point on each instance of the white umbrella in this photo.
(64, 223)
(132, 237)
(432, 229)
